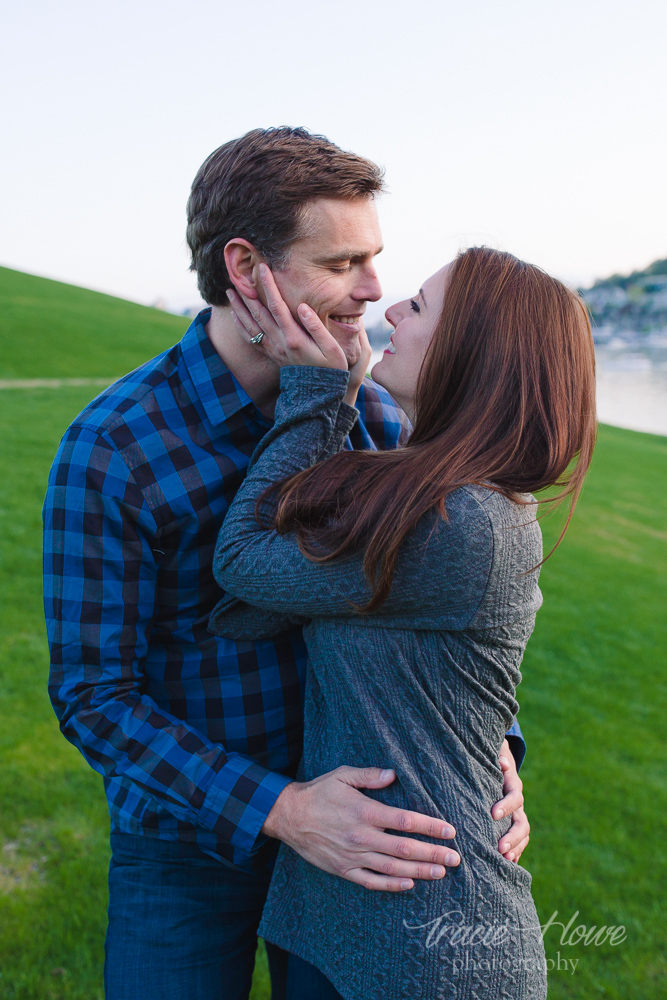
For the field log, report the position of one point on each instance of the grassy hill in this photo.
(593, 700)
(50, 330)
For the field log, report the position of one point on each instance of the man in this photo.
(198, 738)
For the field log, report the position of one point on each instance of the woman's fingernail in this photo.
(498, 814)
(228, 293)
(504, 848)
(437, 871)
(511, 856)
(448, 832)
(405, 884)
(504, 760)
(451, 859)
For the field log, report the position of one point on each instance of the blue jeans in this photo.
(305, 982)
(184, 927)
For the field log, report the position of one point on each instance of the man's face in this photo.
(331, 267)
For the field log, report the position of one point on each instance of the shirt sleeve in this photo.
(517, 743)
(100, 575)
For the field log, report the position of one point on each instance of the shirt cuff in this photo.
(238, 800)
(517, 743)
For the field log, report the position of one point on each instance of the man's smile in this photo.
(352, 324)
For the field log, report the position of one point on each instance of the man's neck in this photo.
(258, 375)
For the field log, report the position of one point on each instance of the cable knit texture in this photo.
(425, 685)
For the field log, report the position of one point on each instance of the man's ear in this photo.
(242, 261)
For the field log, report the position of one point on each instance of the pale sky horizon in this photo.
(538, 128)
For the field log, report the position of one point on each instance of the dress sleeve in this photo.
(443, 567)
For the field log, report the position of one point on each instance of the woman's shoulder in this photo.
(495, 506)
(475, 507)
(513, 523)
(512, 589)
(484, 525)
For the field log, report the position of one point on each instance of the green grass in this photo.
(592, 710)
(592, 700)
(52, 330)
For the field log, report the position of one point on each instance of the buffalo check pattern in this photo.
(195, 735)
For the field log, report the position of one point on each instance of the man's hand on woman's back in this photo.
(334, 826)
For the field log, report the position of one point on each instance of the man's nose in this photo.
(369, 288)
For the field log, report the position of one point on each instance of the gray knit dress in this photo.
(426, 685)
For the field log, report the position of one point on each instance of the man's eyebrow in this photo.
(343, 255)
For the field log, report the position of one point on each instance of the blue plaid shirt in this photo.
(195, 735)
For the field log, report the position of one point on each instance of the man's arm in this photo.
(100, 603)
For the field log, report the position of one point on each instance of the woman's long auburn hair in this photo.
(505, 399)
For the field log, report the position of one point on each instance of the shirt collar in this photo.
(220, 393)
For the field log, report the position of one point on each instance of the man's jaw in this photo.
(347, 337)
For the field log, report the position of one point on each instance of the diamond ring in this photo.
(258, 338)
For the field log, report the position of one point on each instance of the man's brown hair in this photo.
(256, 188)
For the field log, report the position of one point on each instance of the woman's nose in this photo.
(394, 314)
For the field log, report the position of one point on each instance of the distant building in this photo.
(630, 309)
(605, 296)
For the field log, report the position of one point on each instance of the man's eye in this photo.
(341, 270)
(414, 306)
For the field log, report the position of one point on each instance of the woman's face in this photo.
(414, 322)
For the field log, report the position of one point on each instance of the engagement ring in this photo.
(258, 338)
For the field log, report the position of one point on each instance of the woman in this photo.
(417, 571)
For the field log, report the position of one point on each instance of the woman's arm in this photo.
(436, 573)
(332, 421)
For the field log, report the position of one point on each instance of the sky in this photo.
(534, 126)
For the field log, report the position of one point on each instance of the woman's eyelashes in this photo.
(414, 306)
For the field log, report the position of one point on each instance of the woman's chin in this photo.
(382, 375)
(376, 372)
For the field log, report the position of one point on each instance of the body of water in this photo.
(631, 387)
